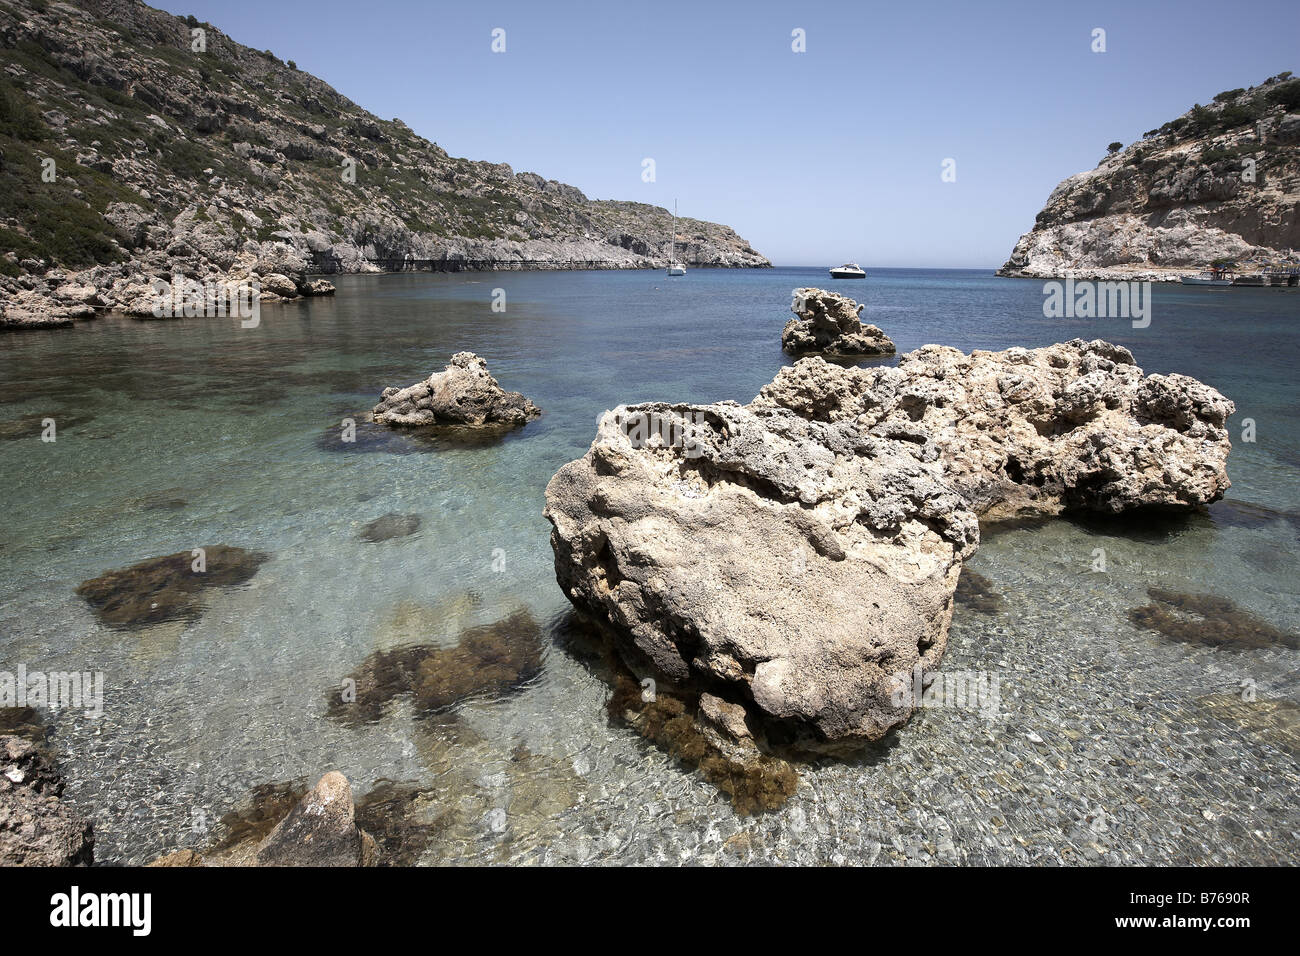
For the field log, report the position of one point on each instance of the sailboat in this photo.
(675, 268)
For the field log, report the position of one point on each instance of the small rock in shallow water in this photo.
(976, 592)
(257, 813)
(1207, 619)
(464, 394)
(489, 660)
(320, 830)
(285, 824)
(391, 525)
(36, 827)
(167, 588)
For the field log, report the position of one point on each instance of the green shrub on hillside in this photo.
(1285, 94)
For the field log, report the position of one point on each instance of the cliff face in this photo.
(1184, 195)
(128, 152)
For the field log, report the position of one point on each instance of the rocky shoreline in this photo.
(1217, 183)
(177, 152)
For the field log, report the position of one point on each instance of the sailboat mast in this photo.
(672, 239)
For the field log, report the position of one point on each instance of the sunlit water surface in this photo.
(1111, 744)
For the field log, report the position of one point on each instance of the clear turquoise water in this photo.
(192, 432)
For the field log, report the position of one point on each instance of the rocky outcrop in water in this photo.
(795, 563)
(36, 827)
(1222, 181)
(827, 323)
(798, 555)
(1076, 425)
(215, 162)
(320, 830)
(463, 395)
(286, 826)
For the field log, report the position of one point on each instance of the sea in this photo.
(1110, 742)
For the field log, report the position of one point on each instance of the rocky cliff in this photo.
(1219, 182)
(137, 144)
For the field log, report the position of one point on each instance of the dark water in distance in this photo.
(194, 432)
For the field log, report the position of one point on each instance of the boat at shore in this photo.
(850, 270)
(1216, 278)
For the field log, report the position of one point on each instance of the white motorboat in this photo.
(1206, 278)
(850, 270)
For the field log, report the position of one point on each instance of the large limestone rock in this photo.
(798, 555)
(1076, 425)
(463, 394)
(827, 323)
(31, 310)
(798, 564)
(36, 828)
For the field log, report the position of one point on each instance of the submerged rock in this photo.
(180, 859)
(827, 323)
(1274, 720)
(464, 394)
(976, 592)
(24, 722)
(167, 588)
(257, 813)
(799, 555)
(1207, 619)
(391, 525)
(489, 660)
(32, 426)
(36, 827)
(711, 735)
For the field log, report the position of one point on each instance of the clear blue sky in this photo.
(814, 157)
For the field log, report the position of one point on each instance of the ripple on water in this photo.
(1111, 744)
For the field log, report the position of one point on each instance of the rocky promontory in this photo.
(798, 556)
(827, 323)
(1221, 182)
(462, 395)
(139, 146)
